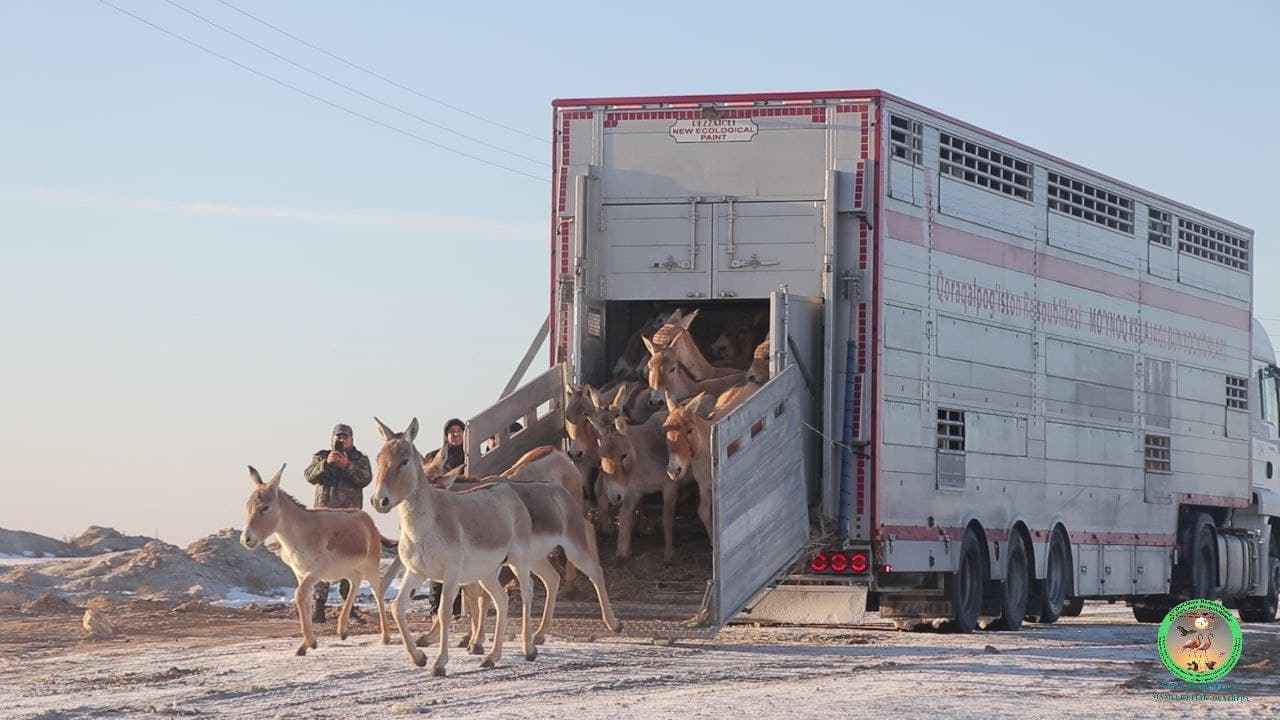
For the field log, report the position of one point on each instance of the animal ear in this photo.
(648, 345)
(675, 316)
(254, 476)
(694, 402)
(594, 395)
(446, 481)
(412, 432)
(619, 396)
(687, 320)
(275, 480)
(383, 430)
(620, 424)
(595, 423)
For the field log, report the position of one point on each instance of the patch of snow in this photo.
(50, 555)
(240, 598)
(28, 553)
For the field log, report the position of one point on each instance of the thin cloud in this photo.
(362, 217)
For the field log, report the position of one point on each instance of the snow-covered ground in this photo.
(1101, 665)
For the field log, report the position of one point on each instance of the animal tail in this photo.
(388, 543)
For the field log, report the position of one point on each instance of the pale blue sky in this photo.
(202, 269)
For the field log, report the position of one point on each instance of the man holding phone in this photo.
(340, 474)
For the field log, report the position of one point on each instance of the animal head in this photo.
(399, 467)
(724, 347)
(263, 512)
(759, 371)
(580, 402)
(617, 453)
(663, 364)
(682, 429)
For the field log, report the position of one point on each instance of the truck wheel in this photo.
(1015, 591)
(1202, 555)
(1263, 609)
(1072, 607)
(1057, 578)
(966, 584)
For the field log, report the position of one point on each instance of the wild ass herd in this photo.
(647, 431)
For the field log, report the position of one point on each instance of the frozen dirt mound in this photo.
(96, 540)
(50, 604)
(256, 570)
(22, 543)
(213, 568)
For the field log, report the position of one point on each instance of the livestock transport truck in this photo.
(1002, 382)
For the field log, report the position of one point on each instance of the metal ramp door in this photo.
(761, 245)
(760, 511)
(796, 337)
(656, 251)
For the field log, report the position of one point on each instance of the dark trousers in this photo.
(322, 591)
(434, 597)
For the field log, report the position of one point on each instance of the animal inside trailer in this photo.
(999, 381)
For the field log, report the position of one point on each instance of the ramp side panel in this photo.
(760, 509)
(543, 394)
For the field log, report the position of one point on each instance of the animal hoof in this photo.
(314, 645)
(437, 671)
(617, 626)
(421, 661)
(476, 650)
(386, 639)
(424, 640)
(531, 655)
(488, 663)
(342, 636)
(463, 643)
(539, 639)
(301, 651)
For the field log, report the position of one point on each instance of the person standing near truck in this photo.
(340, 474)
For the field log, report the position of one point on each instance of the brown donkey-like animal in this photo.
(456, 538)
(557, 521)
(633, 459)
(319, 544)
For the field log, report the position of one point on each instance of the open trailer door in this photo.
(760, 514)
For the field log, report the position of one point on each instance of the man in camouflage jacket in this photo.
(340, 474)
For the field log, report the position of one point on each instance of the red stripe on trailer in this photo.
(1029, 262)
(1211, 500)
(833, 96)
(871, 161)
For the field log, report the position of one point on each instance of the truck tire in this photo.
(1057, 579)
(1263, 609)
(965, 586)
(1201, 546)
(1015, 591)
(1072, 607)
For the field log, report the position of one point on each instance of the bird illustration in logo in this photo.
(1184, 632)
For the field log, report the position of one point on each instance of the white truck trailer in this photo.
(1002, 382)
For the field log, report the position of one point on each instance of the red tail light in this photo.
(839, 562)
(819, 563)
(859, 562)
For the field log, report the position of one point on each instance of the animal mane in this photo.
(667, 334)
(281, 493)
